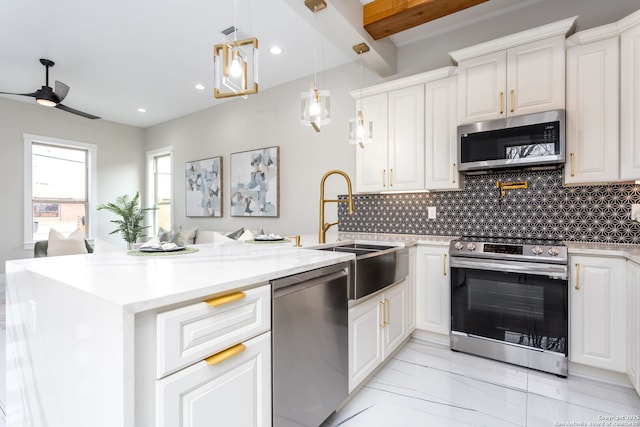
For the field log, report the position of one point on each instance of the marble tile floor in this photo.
(428, 385)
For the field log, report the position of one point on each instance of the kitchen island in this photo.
(89, 336)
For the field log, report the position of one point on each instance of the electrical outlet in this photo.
(431, 212)
(635, 212)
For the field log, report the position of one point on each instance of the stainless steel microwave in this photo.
(528, 141)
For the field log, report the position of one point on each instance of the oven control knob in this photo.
(471, 246)
(553, 251)
(458, 246)
(536, 250)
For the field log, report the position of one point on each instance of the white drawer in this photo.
(232, 388)
(192, 333)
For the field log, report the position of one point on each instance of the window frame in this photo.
(151, 183)
(92, 185)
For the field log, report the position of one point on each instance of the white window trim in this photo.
(151, 155)
(92, 183)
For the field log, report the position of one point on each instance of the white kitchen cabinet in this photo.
(592, 136)
(441, 141)
(633, 324)
(377, 327)
(411, 291)
(524, 79)
(394, 161)
(433, 292)
(630, 97)
(598, 306)
(233, 391)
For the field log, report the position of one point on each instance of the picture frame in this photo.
(203, 188)
(255, 183)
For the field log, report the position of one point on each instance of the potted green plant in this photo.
(131, 221)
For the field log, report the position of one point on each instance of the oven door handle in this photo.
(553, 271)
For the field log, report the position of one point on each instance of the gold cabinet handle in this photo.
(513, 99)
(453, 173)
(226, 299)
(384, 177)
(225, 354)
(501, 103)
(386, 312)
(390, 177)
(577, 277)
(572, 172)
(382, 325)
(444, 264)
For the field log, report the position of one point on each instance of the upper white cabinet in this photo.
(592, 107)
(514, 75)
(630, 97)
(441, 142)
(598, 319)
(395, 158)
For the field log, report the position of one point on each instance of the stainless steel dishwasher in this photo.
(310, 345)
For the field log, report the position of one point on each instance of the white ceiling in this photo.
(120, 55)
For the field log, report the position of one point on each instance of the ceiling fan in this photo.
(50, 98)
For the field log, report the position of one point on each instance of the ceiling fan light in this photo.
(46, 102)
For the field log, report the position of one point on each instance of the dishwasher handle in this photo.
(299, 285)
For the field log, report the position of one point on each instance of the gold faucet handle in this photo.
(297, 241)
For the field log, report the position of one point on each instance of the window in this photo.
(59, 187)
(160, 187)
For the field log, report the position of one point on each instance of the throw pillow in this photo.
(59, 244)
(247, 235)
(187, 237)
(164, 235)
(220, 238)
(235, 234)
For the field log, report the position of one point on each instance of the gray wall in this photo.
(272, 117)
(121, 159)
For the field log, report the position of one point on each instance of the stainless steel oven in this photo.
(509, 301)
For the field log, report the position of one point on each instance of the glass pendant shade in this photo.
(235, 66)
(360, 130)
(314, 108)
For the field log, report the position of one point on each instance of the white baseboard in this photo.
(597, 374)
(432, 337)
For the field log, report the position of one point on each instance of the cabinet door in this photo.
(406, 139)
(433, 291)
(441, 138)
(371, 162)
(411, 291)
(365, 340)
(535, 77)
(395, 311)
(598, 312)
(234, 392)
(592, 113)
(633, 324)
(481, 85)
(630, 104)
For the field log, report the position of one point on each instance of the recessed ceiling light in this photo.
(199, 86)
(275, 50)
(142, 110)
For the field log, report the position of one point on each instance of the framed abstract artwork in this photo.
(255, 183)
(203, 191)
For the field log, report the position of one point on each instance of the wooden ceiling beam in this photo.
(383, 18)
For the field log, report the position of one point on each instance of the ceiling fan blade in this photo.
(74, 111)
(61, 90)
(33, 95)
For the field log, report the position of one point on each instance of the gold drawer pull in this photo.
(386, 312)
(225, 354)
(226, 299)
(577, 277)
(501, 102)
(383, 324)
(444, 264)
(384, 177)
(453, 173)
(390, 177)
(572, 174)
(513, 100)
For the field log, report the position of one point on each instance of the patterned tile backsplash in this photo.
(546, 210)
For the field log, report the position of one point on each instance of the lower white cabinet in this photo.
(433, 291)
(633, 324)
(411, 291)
(377, 327)
(598, 306)
(233, 390)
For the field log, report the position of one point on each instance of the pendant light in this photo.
(235, 64)
(360, 130)
(314, 106)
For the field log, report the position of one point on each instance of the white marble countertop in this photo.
(139, 283)
(630, 252)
